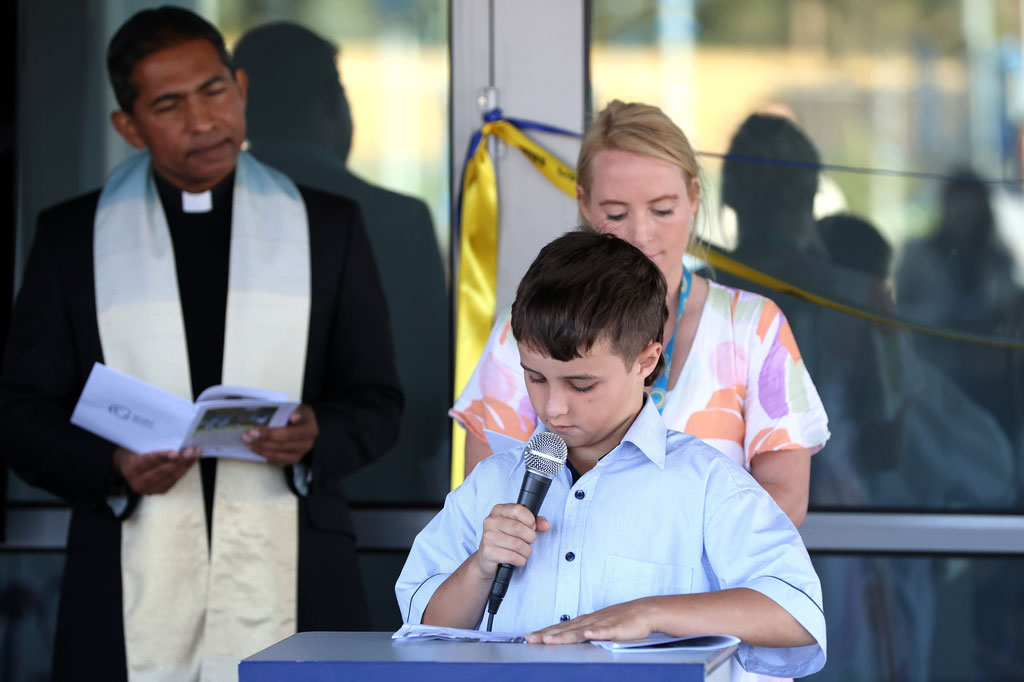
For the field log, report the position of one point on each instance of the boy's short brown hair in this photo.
(585, 286)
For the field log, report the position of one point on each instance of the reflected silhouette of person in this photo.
(854, 243)
(299, 121)
(879, 395)
(769, 179)
(961, 275)
(961, 278)
(899, 426)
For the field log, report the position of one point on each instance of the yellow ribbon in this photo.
(560, 174)
(476, 285)
(720, 261)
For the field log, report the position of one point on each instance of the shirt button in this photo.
(580, 494)
(565, 617)
(569, 556)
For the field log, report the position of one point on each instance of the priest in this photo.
(197, 265)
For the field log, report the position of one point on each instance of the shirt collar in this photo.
(647, 433)
(221, 196)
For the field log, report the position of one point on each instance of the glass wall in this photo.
(921, 618)
(868, 154)
(29, 584)
(385, 144)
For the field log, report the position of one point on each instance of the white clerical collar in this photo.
(197, 203)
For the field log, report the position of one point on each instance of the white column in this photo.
(532, 53)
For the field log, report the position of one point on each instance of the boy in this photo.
(646, 530)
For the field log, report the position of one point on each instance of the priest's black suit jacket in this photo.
(350, 381)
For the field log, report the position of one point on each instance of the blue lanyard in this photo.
(660, 388)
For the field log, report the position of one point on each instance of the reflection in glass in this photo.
(960, 277)
(907, 432)
(918, 618)
(330, 114)
(832, 137)
(29, 585)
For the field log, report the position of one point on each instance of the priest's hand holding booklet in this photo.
(225, 421)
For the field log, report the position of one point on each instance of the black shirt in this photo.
(202, 252)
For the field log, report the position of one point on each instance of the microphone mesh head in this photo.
(545, 454)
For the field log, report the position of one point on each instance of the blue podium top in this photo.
(375, 656)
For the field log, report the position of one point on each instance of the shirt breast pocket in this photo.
(626, 579)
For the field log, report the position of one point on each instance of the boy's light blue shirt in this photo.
(663, 513)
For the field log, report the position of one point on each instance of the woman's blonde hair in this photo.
(639, 129)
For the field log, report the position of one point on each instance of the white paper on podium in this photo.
(416, 631)
(143, 418)
(660, 642)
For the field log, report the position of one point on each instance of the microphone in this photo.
(544, 457)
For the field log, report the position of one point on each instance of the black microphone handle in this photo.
(531, 496)
(535, 487)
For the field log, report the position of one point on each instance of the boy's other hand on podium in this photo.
(629, 620)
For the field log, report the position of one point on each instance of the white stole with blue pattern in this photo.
(190, 613)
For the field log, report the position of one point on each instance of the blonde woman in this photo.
(734, 376)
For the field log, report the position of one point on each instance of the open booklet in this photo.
(143, 418)
(660, 642)
(417, 631)
(651, 643)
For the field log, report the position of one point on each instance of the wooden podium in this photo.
(374, 656)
